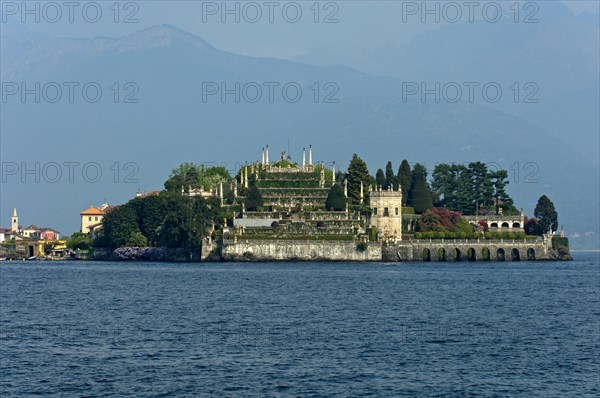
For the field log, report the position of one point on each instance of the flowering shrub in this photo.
(481, 226)
(439, 220)
(532, 227)
(140, 253)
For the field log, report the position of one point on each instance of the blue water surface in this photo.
(528, 329)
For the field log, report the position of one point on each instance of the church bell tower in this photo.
(14, 221)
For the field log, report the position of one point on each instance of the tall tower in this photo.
(303, 158)
(386, 213)
(267, 156)
(14, 221)
(333, 173)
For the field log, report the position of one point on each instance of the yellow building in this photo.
(39, 248)
(91, 219)
(386, 213)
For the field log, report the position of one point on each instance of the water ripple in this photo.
(451, 330)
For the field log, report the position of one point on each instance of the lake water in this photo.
(301, 329)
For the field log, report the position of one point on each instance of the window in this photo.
(386, 212)
(96, 218)
(374, 211)
(89, 218)
(396, 211)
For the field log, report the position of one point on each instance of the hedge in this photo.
(558, 241)
(474, 235)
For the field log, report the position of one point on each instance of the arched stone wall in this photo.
(441, 254)
(485, 254)
(426, 254)
(515, 255)
(485, 250)
(500, 254)
(471, 254)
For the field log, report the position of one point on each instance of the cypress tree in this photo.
(390, 177)
(380, 178)
(419, 195)
(546, 214)
(336, 200)
(404, 179)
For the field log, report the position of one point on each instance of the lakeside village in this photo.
(308, 211)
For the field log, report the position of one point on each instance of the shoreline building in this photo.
(31, 232)
(31, 241)
(386, 213)
(91, 218)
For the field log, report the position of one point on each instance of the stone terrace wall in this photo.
(416, 250)
(473, 250)
(287, 250)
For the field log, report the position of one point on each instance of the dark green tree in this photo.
(404, 179)
(119, 224)
(214, 176)
(464, 193)
(470, 188)
(444, 184)
(419, 195)
(499, 181)
(151, 214)
(187, 221)
(254, 200)
(336, 200)
(482, 185)
(174, 229)
(137, 239)
(380, 178)
(204, 213)
(419, 170)
(546, 214)
(170, 219)
(390, 177)
(80, 241)
(357, 172)
(447, 184)
(186, 175)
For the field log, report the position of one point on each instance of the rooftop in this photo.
(92, 211)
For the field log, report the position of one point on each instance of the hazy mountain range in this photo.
(560, 54)
(171, 123)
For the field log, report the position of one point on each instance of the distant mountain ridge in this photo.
(560, 54)
(172, 123)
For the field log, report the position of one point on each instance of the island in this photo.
(286, 210)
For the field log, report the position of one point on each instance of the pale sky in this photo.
(365, 23)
